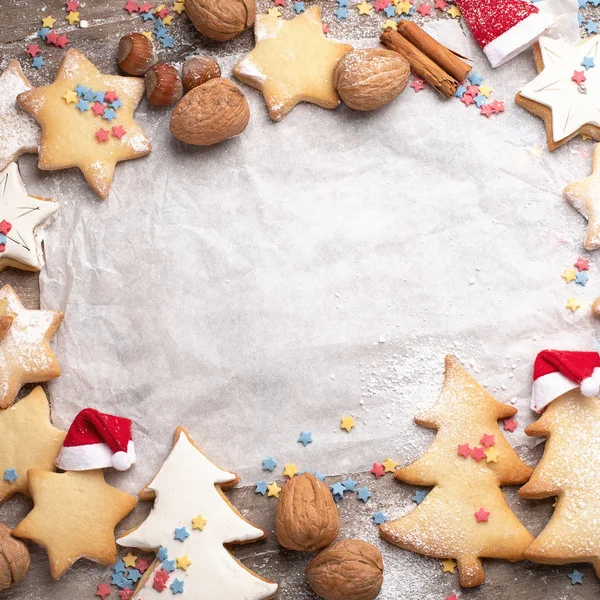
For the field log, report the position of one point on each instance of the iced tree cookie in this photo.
(87, 120)
(292, 62)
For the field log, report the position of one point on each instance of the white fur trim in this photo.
(590, 386)
(90, 456)
(549, 387)
(519, 37)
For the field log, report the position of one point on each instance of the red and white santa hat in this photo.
(504, 28)
(556, 372)
(95, 441)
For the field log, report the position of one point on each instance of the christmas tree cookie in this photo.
(465, 516)
(565, 388)
(191, 521)
(87, 120)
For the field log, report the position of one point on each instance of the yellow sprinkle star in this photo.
(448, 565)
(178, 7)
(70, 96)
(73, 17)
(290, 470)
(485, 90)
(148, 34)
(274, 12)
(199, 522)
(569, 275)
(573, 304)
(364, 8)
(348, 423)
(454, 12)
(168, 20)
(130, 560)
(183, 562)
(390, 465)
(403, 8)
(273, 490)
(492, 454)
(159, 8)
(389, 24)
(48, 22)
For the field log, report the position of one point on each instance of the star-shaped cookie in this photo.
(74, 516)
(25, 354)
(19, 133)
(584, 195)
(28, 440)
(70, 123)
(565, 94)
(20, 219)
(292, 62)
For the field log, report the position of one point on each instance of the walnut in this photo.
(307, 518)
(221, 19)
(14, 559)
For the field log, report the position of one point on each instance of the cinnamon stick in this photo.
(443, 82)
(438, 53)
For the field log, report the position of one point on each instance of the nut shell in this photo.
(136, 54)
(198, 69)
(221, 20)
(210, 113)
(14, 559)
(163, 84)
(369, 78)
(348, 570)
(307, 518)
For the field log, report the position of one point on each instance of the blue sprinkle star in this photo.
(588, 63)
(582, 3)
(380, 518)
(158, 24)
(576, 577)
(341, 13)
(305, 438)
(147, 16)
(580, 19)
(168, 566)
(581, 278)
(10, 475)
(120, 581)
(116, 104)
(363, 493)
(83, 105)
(298, 7)
(320, 476)
(342, 3)
(390, 10)
(261, 487)
(350, 484)
(269, 464)
(99, 97)
(119, 567)
(134, 575)
(167, 41)
(181, 534)
(89, 95)
(38, 62)
(596, 3)
(162, 554)
(480, 100)
(419, 496)
(337, 489)
(109, 114)
(43, 32)
(80, 89)
(591, 27)
(461, 90)
(177, 586)
(475, 78)
(161, 32)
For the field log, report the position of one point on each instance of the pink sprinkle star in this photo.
(118, 131)
(578, 77)
(472, 90)
(378, 470)
(453, 597)
(498, 106)
(131, 7)
(464, 450)
(102, 135)
(325, 28)
(72, 5)
(110, 96)
(417, 84)
(381, 4)
(279, 2)
(33, 50)
(467, 100)
(487, 440)
(478, 453)
(162, 13)
(510, 424)
(103, 590)
(144, 7)
(5, 227)
(487, 110)
(582, 264)
(424, 9)
(482, 516)
(126, 594)
(440, 4)
(61, 41)
(142, 565)
(52, 37)
(98, 109)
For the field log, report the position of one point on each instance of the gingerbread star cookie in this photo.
(74, 516)
(584, 195)
(21, 219)
(28, 440)
(292, 62)
(25, 354)
(19, 133)
(566, 93)
(87, 120)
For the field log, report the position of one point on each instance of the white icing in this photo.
(553, 87)
(185, 488)
(25, 214)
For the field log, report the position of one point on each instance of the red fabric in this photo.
(489, 19)
(576, 366)
(93, 427)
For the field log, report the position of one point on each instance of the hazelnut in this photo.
(221, 19)
(198, 69)
(163, 84)
(136, 54)
(596, 307)
(14, 559)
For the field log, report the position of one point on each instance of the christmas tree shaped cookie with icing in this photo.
(191, 522)
(465, 516)
(565, 388)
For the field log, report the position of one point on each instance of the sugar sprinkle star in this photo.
(378, 470)
(199, 522)
(363, 493)
(417, 84)
(573, 304)
(348, 423)
(129, 560)
(419, 496)
(183, 562)
(305, 438)
(290, 470)
(379, 518)
(581, 278)
(274, 490)
(181, 534)
(492, 455)
(510, 424)
(10, 475)
(568, 275)
(261, 487)
(350, 484)
(582, 264)
(576, 577)
(269, 464)
(482, 515)
(448, 565)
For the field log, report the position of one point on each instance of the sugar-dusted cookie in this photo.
(21, 220)
(25, 354)
(28, 440)
(191, 521)
(566, 93)
(19, 133)
(292, 62)
(565, 388)
(465, 516)
(87, 120)
(74, 516)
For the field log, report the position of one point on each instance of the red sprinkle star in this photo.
(498, 106)
(98, 109)
(378, 470)
(61, 41)
(102, 135)
(110, 96)
(453, 597)
(424, 9)
(472, 90)
(380, 4)
(467, 100)
(126, 594)
(5, 227)
(279, 2)
(440, 4)
(487, 110)
(478, 453)
(482, 515)
(72, 5)
(118, 131)
(145, 7)
(103, 590)
(33, 50)
(325, 28)
(464, 450)
(131, 7)
(163, 12)
(510, 424)
(582, 264)
(417, 84)
(142, 565)
(487, 440)
(52, 37)
(578, 77)
(159, 585)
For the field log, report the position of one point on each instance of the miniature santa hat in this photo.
(95, 441)
(504, 28)
(556, 372)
